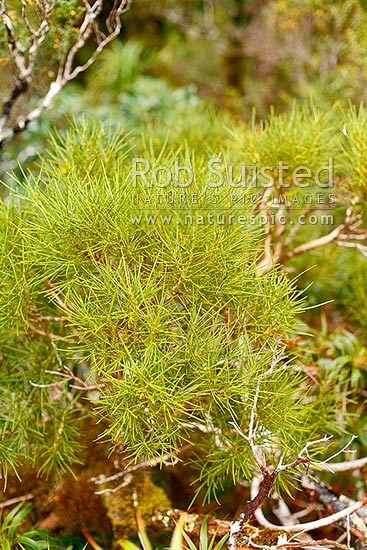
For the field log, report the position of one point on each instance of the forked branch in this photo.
(24, 53)
(269, 473)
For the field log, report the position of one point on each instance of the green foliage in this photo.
(38, 421)
(333, 66)
(335, 360)
(131, 100)
(308, 49)
(204, 542)
(337, 357)
(354, 291)
(12, 539)
(173, 323)
(355, 150)
(178, 536)
(126, 544)
(345, 361)
(303, 137)
(110, 77)
(179, 329)
(38, 424)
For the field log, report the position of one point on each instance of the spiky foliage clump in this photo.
(159, 305)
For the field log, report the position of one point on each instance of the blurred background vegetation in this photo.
(239, 55)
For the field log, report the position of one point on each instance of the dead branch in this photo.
(311, 525)
(165, 459)
(350, 233)
(346, 466)
(355, 523)
(25, 57)
(254, 538)
(261, 488)
(350, 230)
(316, 243)
(15, 500)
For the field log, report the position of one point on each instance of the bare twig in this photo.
(310, 526)
(281, 510)
(316, 544)
(315, 243)
(41, 318)
(144, 464)
(355, 523)
(282, 219)
(345, 466)
(15, 500)
(57, 297)
(48, 334)
(261, 489)
(69, 376)
(350, 229)
(359, 246)
(349, 233)
(296, 227)
(25, 56)
(346, 509)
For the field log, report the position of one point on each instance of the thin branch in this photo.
(345, 466)
(80, 384)
(51, 385)
(40, 318)
(316, 544)
(15, 500)
(359, 246)
(57, 297)
(280, 230)
(315, 243)
(352, 223)
(281, 510)
(304, 451)
(261, 489)
(114, 25)
(335, 502)
(347, 510)
(15, 47)
(144, 464)
(69, 377)
(29, 27)
(48, 334)
(342, 450)
(25, 58)
(251, 434)
(296, 227)
(317, 524)
(20, 87)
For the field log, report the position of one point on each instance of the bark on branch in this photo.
(24, 57)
